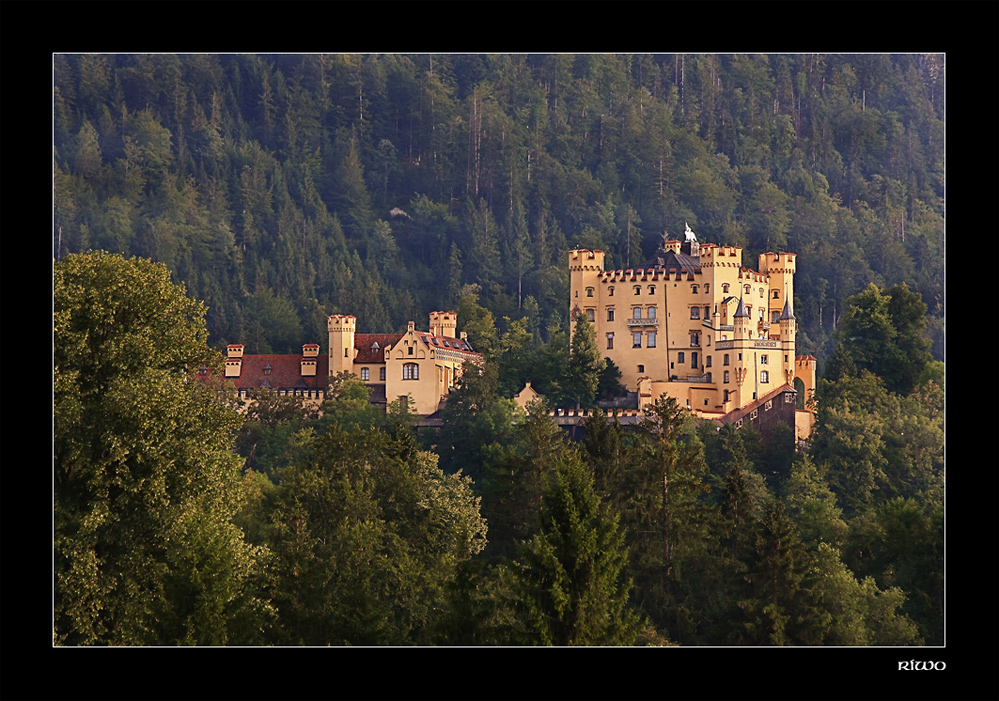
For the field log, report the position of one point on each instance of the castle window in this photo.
(748, 289)
(590, 315)
(410, 349)
(776, 294)
(769, 405)
(708, 379)
(725, 394)
(707, 312)
(765, 377)
(410, 371)
(693, 289)
(636, 313)
(610, 341)
(761, 293)
(775, 317)
(652, 312)
(652, 289)
(365, 374)
(638, 289)
(707, 287)
(693, 360)
(725, 287)
(695, 312)
(381, 374)
(764, 359)
(652, 339)
(707, 361)
(680, 357)
(610, 291)
(610, 315)
(641, 368)
(726, 382)
(695, 339)
(725, 360)
(636, 341)
(589, 291)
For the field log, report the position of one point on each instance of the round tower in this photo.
(341, 328)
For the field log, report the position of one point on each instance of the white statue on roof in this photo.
(689, 234)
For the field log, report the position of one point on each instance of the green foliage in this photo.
(383, 185)
(146, 487)
(574, 591)
(585, 366)
(368, 534)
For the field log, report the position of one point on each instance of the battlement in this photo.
(752, 275)
(713, 256)
(778, 263)
(443, 323)
(585, 259)
(343, 323)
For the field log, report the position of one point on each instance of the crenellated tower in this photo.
(342, 328)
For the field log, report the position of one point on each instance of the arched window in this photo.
(636, 313)
(652, 312)
(725, 359)
(410, 371)
(652, 289)
(610, 291)
(725, 287)
(589, 291)
(638, 289)
(726, 377)
(764, 376)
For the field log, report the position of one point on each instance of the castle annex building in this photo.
(423, 365)
(693, 324)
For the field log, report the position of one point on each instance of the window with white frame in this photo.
(410, 371)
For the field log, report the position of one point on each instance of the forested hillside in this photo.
(272, 191)
(284, 188)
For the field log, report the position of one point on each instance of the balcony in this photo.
(643, 322)
(691, 378)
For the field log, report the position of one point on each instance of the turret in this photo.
(444, 324)
(341, 329)
(741, 322)
(788, 326)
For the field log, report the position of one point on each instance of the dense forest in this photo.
(284, 188)
(204, 200)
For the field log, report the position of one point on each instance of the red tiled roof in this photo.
(285, 372)
(363, 342)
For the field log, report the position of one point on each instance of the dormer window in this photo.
(267, 369)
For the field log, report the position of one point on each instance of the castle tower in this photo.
(585, 268)
(341, 328)
(780, 267)
(444, 324)
(788, 327)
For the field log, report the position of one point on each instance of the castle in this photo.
(693, 324)
(421, 365)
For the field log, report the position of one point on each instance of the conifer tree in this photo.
(574, 590)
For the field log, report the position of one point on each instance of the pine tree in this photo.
(572, 579)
